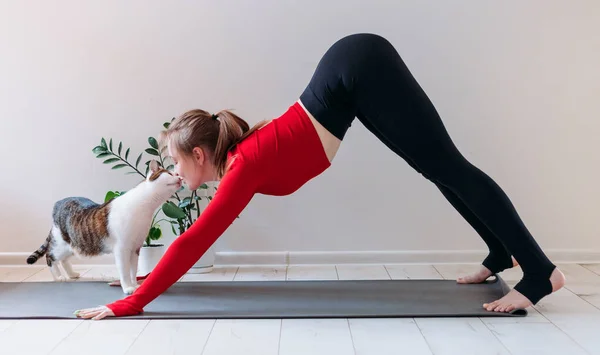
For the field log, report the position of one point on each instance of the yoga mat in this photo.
(264, 299)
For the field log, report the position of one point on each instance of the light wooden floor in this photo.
(566, 322)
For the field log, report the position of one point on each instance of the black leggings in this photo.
(363, 76)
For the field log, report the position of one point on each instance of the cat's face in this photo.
(162, 180)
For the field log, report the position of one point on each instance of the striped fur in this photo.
(41, 251)
(84, 228)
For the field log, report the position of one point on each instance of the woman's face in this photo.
(190, 168)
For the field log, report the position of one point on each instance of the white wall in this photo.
(516, 83)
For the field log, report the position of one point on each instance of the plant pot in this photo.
(204, 264)
(149, 257)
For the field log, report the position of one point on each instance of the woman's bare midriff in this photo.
(330, 143)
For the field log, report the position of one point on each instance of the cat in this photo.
(85, 228)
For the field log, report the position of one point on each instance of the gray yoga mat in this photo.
(264, 299)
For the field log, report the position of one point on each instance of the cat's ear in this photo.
(154, 166)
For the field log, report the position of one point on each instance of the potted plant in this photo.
(179, 212)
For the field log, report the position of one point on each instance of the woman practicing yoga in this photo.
(362, 76)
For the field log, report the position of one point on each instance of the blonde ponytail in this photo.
(218, 132)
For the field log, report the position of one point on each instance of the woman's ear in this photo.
(198, 155)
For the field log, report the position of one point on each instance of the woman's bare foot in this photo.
(515, 300)
(481, 275)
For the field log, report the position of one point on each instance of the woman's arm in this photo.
(235, 192)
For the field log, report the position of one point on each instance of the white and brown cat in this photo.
(82, 227)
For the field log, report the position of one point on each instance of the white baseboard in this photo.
(346, 257)
(349, 257)
(387, 257)
(19, 258)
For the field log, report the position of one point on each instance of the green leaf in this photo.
(173, 229)
(104, 155)
(131, 172)
(137, 162)
(147, 169)
(153, 142)
(111, 194)
(111, 160)
(98, 149)
(103, 143)
(172, 211)
(203, 186)
(120, 147)
(210, 198)
(119, 166)
(127, 153)
(110, 145)
(166, 125)
(152, 151)
(171, 167)
(154, 233)
(185, 202)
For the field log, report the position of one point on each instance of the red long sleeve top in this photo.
(275, 160)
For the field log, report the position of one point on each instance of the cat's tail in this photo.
(41, 250)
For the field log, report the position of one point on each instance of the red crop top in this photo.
(275, 160)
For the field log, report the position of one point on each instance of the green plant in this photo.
(179, 212)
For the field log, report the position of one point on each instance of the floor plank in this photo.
(582, 282)
(595, 268)
(223, 273)
(535, 338)
(261, 273)
(459, 336)
(362, 272)
(412, 271)
(101, 337)
(100, 273)
(246, 336)
(574, 316)
(35, 336)
(6, 323)
(18, 273)
(315, 337)
(383, 336)
(171, 336)
(312, 272)
(45, 275)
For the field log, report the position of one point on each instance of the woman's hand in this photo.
(95, 313)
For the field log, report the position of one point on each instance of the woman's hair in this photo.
(217, 133)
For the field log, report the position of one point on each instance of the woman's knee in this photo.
(447, 171)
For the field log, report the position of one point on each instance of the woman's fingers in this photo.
(95, 313)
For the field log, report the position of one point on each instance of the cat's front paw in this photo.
(74, 275)
(129, 290)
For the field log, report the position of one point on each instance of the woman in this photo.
(360, 76)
